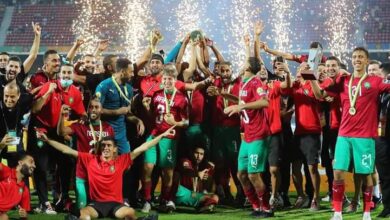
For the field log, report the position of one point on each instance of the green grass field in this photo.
(226, 213)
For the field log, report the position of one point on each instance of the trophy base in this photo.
(309, 75)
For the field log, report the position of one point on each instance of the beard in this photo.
(25, 170)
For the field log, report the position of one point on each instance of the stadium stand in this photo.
(56, 22)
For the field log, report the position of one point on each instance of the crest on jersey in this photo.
(112, 168)
(260, 91)
(306, 92)
(367, 85)
(71, 100)
(20, 190)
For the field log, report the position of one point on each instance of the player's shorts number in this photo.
(366, 160)
(253, 159)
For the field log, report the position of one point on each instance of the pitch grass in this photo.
(226, 213)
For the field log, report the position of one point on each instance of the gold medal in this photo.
(353, 96)
(352, 111)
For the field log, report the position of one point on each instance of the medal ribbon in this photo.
(124, 96)
(93, 131)
(225, 100)
(353, 97)
(169, 101)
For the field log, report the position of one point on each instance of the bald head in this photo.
(11, 95)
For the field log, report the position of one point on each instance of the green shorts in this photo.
(253, 156)
(226, 143)
(166, 153)
(360, 151)
(184, 197)
(81, 192)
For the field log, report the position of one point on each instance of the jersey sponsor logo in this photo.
(20, 190)
(243, 93)
(161, 99)
(306, 91)
(112, 91)
(112, 168)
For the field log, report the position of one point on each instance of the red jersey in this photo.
(255, 122)
(274, 93)
(12, 193)
(85, 141)
(364, 124)
(39, 79)
(188, 170)
(105, 177)
(51, 110)
(196, 100)
(307, 109)
(219, 118)
(151, 84)
(178, 108)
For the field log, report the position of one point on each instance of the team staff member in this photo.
(104, 169)
(13, 190)
(253, 154)
(169, 107)
(47, 110)
(86, 135)
(13, 107)
(359, 95)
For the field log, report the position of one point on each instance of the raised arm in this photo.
(57, 145)
(258, 30)
(101, 47)
(215, 50)
(285, 55)
(201, 65)
(286, 83)
(187, 73)
(145, 146)
(204, 52)
(171, 56)
(73, 50)
(27, 64)
(182, 50)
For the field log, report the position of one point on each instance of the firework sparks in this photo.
(281, 14)
(86, 24)
(138, 21)
(341, 19)
(242, 16)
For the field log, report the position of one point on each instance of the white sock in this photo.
(337, 214)
(376, 192)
